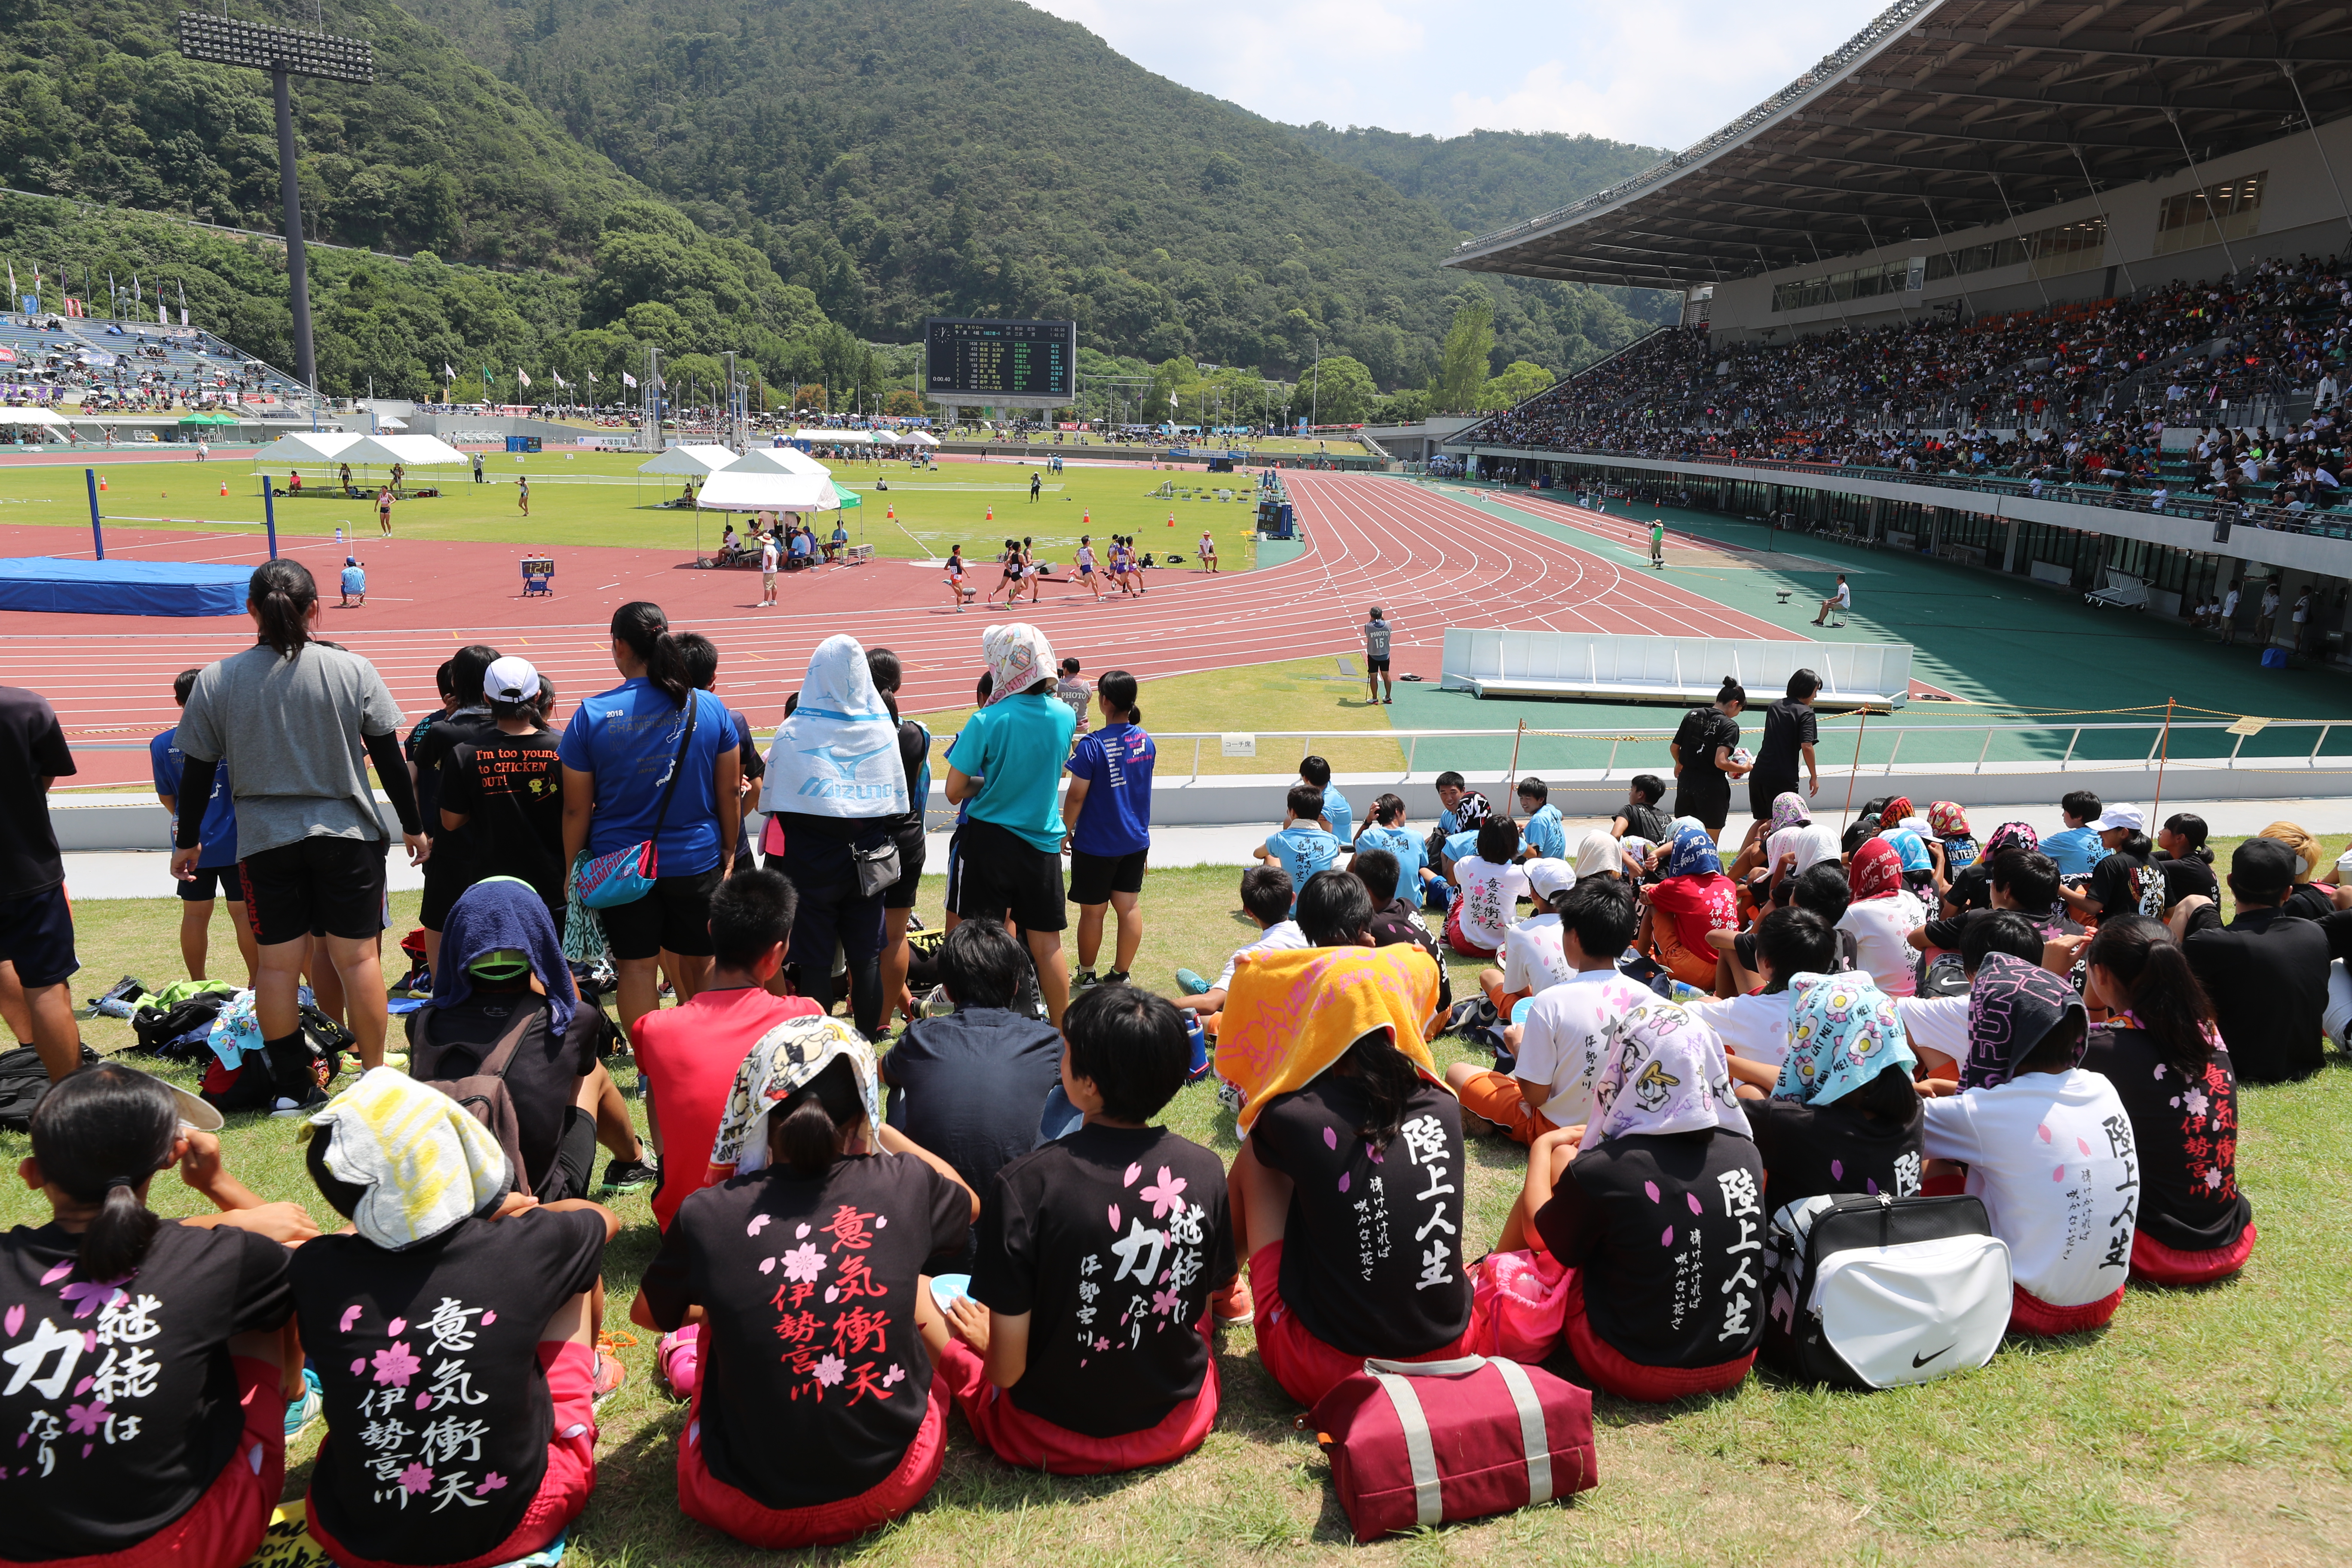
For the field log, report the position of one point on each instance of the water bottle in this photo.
(339, 536)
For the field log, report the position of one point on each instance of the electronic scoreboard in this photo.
(1006, 363)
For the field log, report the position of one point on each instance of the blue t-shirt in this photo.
(1115, 816)
(217, 840)
(1463, 844)
(354, 580)
(2075, 850)
(1302, 849)
(1339, 814)
(1015, 748)
(1546, 835)
(626, 738)
(1407, 847)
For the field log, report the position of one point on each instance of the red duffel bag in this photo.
(1421, 1443)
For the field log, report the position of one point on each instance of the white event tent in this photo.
(693, 461)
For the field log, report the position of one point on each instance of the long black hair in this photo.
(1119, 686)
(2166, 998)
(100, 1135)
(282, 593)
(806, 1134)
(2192, 827)
(641, 624)
(1390, 1082)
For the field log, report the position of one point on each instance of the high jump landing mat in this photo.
(49, 584)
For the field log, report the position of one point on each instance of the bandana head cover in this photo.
(1694, 854)
(503, 914)
(1790, 810)
(837, 753)
(2011, 836)
(787, 1059)
(2013, 1008)
(1018, 656)
(1948, 819)
(1842, 1033)
(1895, 810)
(425, 1163)
(1290, 1014)
(1666, 1073)
(1597, 853)
(1876, 872)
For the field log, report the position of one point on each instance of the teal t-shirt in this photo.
(1016, 749)
(1302, 849)
(1546, 834)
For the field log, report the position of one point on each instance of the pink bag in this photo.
(1518, 1304)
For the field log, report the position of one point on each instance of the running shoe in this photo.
(611, 1376)
(630, 1175)
(1190, 983)
(1117, 978)
(301, 1412)
(1084, 980)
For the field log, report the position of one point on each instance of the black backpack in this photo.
(1872, 1292)
(157, 1029)
(24, 1081)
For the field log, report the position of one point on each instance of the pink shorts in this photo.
(1613, 1373)
(1456, 939)
(1308, 1368)
(703, 1496)
(564, 1491)
(1033, 1443)
(2153, 1263)
(223, 1529)
(2030, 1314)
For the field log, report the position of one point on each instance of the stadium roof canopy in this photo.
(1944, 115)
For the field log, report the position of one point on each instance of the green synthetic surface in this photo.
(2011, 648)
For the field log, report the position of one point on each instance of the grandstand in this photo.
(110, 369)
(2049, 288)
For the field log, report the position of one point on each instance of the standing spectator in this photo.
(1107, 806)
(477, 467)
(699, 656)
(1378, 629)
(899, 902)
(1007, 763)
(836, 788)
(2229, 615)
(1705, 748)
(1790, 732)
(767, 571)
(2267, 616)
(450, 870)
(292, 718)
(504, 789)
(1072, 690)
(651, 760)
(215, 863)
(37, 935)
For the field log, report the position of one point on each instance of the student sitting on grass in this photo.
(2079, 848)
(2048, 1147)
(816, 1417)
(1387, 832)
(1532, 958)
(1657, 1205)
(150, 1356)
(1935, 1020)
(1692, 899)
(1087, 1344)
(1346, 1192)
(1491, 885)
(1841, 1116)
(1641, 817)
(1463, 807)
(1304, 844)
(1598, 854)
(1753, 1025)
(1266, 898)
(1545, 836)
(1557, 1050)
(1882, 916)
(1394, 921)
(1338, 814)
(2162, 1051)
(454, 1331)
(1971, 885)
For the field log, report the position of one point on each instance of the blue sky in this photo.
(1659, 73)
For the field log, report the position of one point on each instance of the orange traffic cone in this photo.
(223, 486)
(101, 481)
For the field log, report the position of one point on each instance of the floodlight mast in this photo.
(283, 53)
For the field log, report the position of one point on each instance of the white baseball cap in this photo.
(511, 679)
(2125, 817)
(1548, 878)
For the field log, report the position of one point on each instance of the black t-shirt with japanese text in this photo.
(813, 1379)
(32, 746)
(2187, 1131)
(1372, 1250)
(438, 1410)
(511, 790)
(2126, 884)
(120, 1395)
(543, 1080)
(2184, 875)
(1669, 1231)
(1866, 1141)
(1112, 1238)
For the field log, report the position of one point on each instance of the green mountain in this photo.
(1485, 180)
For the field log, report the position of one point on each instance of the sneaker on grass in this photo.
(630, 1175)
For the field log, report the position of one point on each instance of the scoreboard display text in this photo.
(987, 361)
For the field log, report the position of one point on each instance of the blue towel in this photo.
(503, 912)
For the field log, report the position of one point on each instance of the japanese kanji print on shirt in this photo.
(2185, 1125)
(118, 1400)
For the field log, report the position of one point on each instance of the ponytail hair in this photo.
(1119, 686)
(670, 670)
(2192, 827)
(640, 624)
(2166, 999)
(804, 1134)
(1390, 1080)
(1732, 691)
(99, 1135)
(281, 594)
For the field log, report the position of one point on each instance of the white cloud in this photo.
(1662, 74)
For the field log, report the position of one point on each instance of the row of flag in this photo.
(31, 303)
(522, 377)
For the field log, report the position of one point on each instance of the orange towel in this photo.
(1291, 1014)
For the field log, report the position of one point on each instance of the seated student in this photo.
(1346, 1192)
(688, 1054)
(2022, 880)
(1303, 844)
(1559, 1048)
(2165, 1056)
(1937, 1018)
(454, 1331)
(1841, 1116)
(2078, 848)
(2182, 857)
(2048, 1147)
(1754, 1025)
(1464, 807)
(1266, 898)
(1088, 1344)
(2124, 881)
(1337, 814)
(150, 1356)
(1691, 899)
(1394, 921)
(1921, 858)
(1543, 833)
(1386, 832)
(1646, 1321)
(969, 1087)
(1797, 841)
(1598, 854)
(2266, 972)
(1951, 827)
(1641, 817)
(1491, 885)
(499, 953)
(816, 1417)
(1972, 886)
(1821, 889)
(1532, 960)
(2309, 899)
(1882, 917)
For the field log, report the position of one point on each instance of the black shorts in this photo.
(1095, 877)
(674, 917)
(912, 848)
(1002, 873)
(955, 865)
(323, 885)
(36, 936)
(446, 881)
(575, 1155)
(200, 889)
(1376, 666)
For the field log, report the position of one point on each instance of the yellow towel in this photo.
(1291, 1014)
(425, 1163)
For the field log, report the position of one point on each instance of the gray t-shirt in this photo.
(1376, 638)
(290, 732)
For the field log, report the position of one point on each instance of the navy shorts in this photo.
(36, 936)
(211, 882)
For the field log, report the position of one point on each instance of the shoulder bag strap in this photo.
(1534, 1440)
(502, 1055)
(676, 764)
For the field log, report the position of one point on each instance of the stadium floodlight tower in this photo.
(283, 53)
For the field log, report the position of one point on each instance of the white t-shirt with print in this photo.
(1754, 1028)
(1882, 928)
(1282, 936)
(1489, 898)
(1532, 958)
(2051, 1156)
(1565, 1039)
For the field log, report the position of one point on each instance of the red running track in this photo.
(1430, 561)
